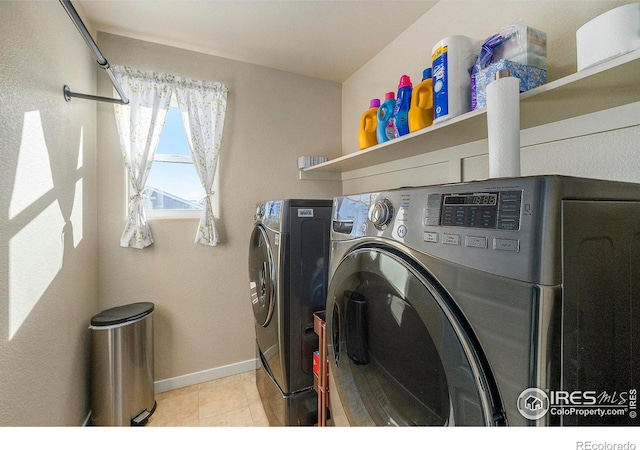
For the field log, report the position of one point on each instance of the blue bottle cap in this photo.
(426, 73)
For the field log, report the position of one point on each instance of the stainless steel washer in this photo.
(288, 274)
(497, 302)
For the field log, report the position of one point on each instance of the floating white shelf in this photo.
(610, 84)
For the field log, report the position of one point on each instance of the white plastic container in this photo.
(450, 61)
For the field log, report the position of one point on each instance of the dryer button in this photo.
(432, 219)
(452, 239)
(476, 241)
(430, 236)
(509, 245)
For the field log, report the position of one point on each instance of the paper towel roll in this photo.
(503, 122)
(611, 34)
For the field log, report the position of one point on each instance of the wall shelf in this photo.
(608, 85)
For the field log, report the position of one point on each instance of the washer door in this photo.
(262, 275)
(399, 352)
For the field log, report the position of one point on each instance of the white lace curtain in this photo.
(139, 126)
(203, 106)
(140, 123)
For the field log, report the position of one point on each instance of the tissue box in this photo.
(530, 77)
(524, 45)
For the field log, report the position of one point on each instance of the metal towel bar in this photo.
(101, 60)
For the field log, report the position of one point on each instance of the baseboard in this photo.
(205, 375)
(197, 377)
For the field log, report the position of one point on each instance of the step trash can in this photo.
(122, 391)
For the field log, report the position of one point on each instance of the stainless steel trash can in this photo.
(122, 391)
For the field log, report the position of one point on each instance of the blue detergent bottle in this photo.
(385, 112)
(401, 110)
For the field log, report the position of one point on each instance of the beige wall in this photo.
(203, 316)
(410, 53)
(48, 227)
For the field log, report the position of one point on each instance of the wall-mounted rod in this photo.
(101, 60)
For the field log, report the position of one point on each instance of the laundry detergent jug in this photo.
(385, 112)
(421, 110)
(401, 110)
(369, 125)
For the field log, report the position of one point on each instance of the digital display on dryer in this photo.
(471, 199)
(482, 210)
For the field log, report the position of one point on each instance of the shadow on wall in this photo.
(43, 202)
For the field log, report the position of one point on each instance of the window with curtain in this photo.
(173, 188)
(146, 122)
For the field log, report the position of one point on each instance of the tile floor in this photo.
(226, 402)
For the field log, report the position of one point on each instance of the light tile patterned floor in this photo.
(226, 402)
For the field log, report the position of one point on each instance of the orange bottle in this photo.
(368, 125)
(421, 110)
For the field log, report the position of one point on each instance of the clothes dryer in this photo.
(288, 273)
(500, 302)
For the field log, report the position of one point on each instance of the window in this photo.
(172, 185)
(173, 188)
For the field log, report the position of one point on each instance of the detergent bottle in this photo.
(401, 110)
(385, 112)
(368, 125)
(421, 110)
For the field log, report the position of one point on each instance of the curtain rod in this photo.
(101, 60)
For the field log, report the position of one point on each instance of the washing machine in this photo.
(499, 302)
(288, 274)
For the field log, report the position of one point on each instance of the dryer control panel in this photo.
(492, 210)
(510, 227)
(484, 225)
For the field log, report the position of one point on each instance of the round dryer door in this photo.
(399, 354)
(261, 276)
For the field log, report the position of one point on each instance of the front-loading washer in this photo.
(288, 277)
(500, 302)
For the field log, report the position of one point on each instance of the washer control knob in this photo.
(381, 213)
